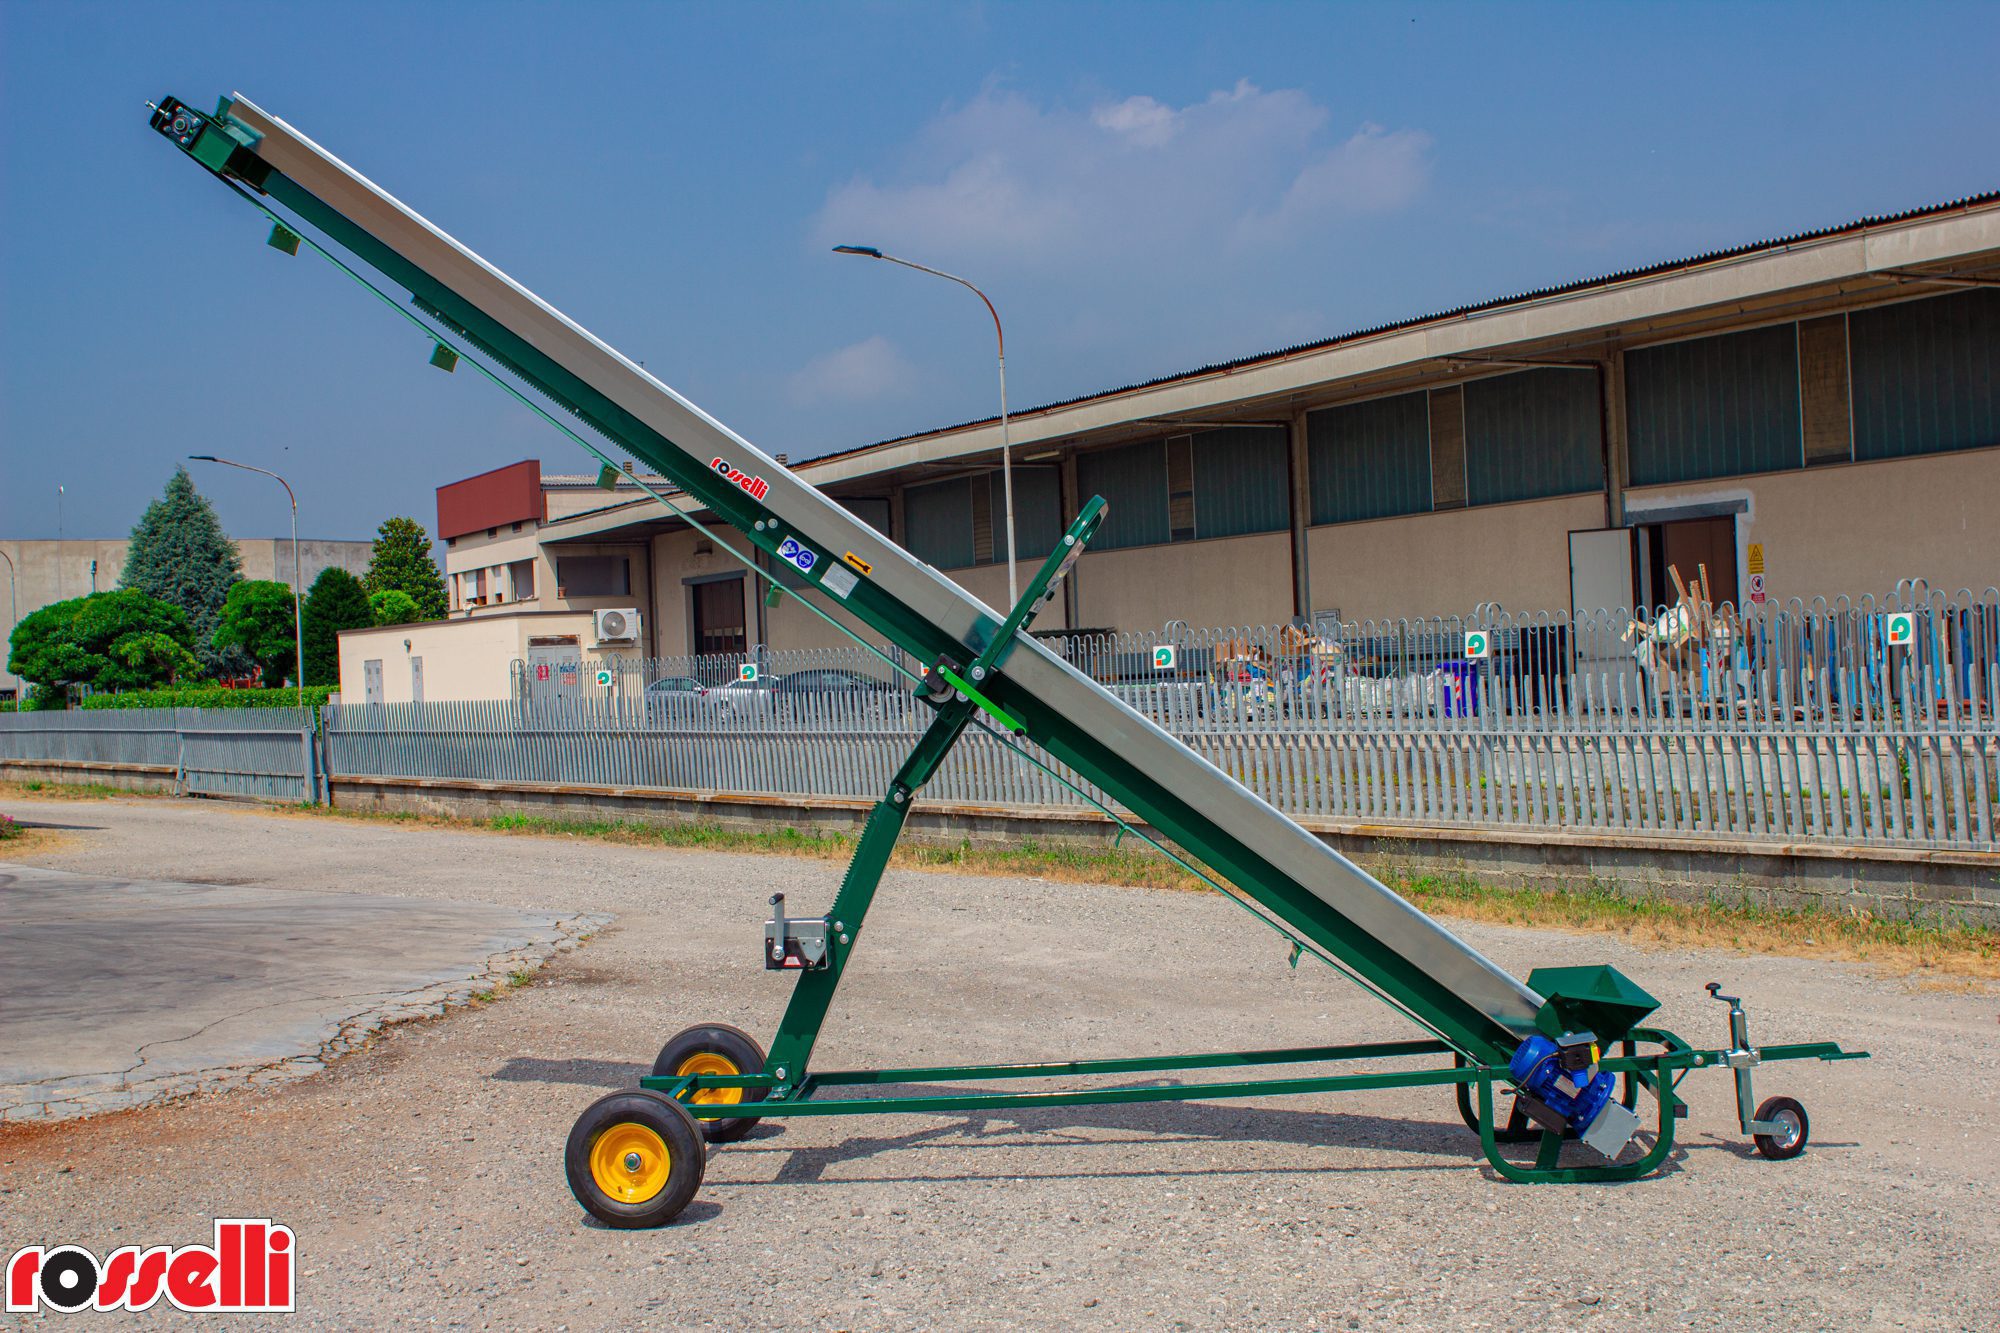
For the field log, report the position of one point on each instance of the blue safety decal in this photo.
(791, 549)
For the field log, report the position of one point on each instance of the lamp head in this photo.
(868, 250)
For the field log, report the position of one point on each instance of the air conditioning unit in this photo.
(619, 626)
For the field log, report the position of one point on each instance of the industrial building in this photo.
(1832, 398)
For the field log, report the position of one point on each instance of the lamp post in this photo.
(298, 606)
(1006, 454)
(13, 612)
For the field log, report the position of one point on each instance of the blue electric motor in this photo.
(1558, 1075)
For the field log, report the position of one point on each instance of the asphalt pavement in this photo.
(116, 992)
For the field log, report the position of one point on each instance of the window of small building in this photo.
(1925, 375)
(1724, 406)
(594, 575)
(1132, 478)
(522, 574)
(938, 516)
(1531, 435)
(1370, 460)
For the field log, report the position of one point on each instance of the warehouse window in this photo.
(1240, 482)
(938, 519)
(870, 509)
(1133, 481)
(1038, 524)
(1370, 460)
(594, 575)
(1926, 375)
(1714, 407)
(1534, 434)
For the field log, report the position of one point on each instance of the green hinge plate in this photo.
(972, 692)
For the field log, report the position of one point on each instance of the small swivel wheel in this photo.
(715, 1048)
(1793, 1129)
(635, 1159)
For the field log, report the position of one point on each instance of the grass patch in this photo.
(1953, 954)
(39, 790)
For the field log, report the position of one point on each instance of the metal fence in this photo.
(270, 753)
(1853, 722)
(1846, 721)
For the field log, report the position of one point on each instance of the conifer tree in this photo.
(180, 554)
(402, 563)
(334, 602)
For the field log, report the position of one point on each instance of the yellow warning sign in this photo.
(1756, 557)
(862, 565)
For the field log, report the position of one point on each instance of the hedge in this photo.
(210, 696)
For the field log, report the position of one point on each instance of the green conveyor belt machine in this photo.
(1569, 1044)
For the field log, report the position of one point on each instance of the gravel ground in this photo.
(423, 1173)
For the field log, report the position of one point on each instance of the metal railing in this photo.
(1851, 721)
(270, 753)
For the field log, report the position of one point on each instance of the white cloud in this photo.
(1375, 171)
(1131, 181)
(862, 372)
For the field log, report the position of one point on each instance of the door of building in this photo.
(719, 623)
(371, 681)
(1600, 589)
(554, 667)
(416, 680)
(1687, 546)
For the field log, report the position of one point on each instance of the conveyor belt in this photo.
(1423, 967)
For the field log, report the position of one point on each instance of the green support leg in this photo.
(791, 1049)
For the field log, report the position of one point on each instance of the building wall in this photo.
(1447, 563)
(51, 571)
(1859, 527)
(671, 606)
(1227, 581)
(463, 659)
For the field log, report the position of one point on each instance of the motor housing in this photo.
(1561, 1088)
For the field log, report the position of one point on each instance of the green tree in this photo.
(180, 554)
(393, 606)
(335, 602)
(257, 619)
(402, 563)
(123, 640)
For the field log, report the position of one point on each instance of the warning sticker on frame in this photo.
(793, 550)
(838, 581)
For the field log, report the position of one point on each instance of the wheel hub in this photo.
(630, 1163)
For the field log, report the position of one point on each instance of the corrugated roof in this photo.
(1538, 294)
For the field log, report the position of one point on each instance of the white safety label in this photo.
(839, 581)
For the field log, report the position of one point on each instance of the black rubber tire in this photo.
(1782, 1150)
(732, 1044)
(687, 1157)
(1518, 1129)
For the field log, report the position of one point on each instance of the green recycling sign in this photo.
(1165, 656)
(1902, 629)
(1478, 645)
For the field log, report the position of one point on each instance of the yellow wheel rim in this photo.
(708, 1062)
(630, 1163)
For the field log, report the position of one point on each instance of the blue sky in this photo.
(1141, 188)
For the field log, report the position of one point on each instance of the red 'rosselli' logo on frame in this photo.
(247, 1270)
(756, 486)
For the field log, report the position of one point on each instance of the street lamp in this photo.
(1006, 455)
(13, 612)
(298, 612)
